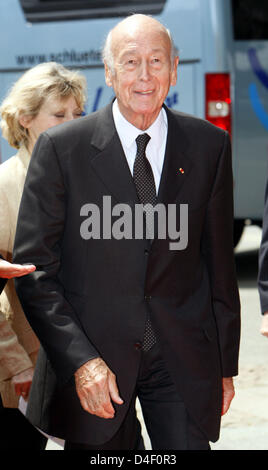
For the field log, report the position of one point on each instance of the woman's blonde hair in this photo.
(29, 93)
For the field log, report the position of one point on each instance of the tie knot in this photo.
(142, 142)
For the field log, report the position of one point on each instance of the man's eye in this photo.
(59, 115)
(131, 61)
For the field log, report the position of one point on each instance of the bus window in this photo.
(61, 10)
(250, 19)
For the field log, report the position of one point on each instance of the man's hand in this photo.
(228, 394)
(96, 388)
(22, 383)
(9, 270)
(264, 325)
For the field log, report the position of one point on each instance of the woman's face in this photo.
(52, 112)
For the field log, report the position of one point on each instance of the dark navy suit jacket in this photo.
(90, 298)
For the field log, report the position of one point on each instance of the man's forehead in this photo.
(134, 48)
(153, 41)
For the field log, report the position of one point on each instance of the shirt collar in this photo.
(128, 133)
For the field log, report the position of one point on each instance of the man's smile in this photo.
(149, 92)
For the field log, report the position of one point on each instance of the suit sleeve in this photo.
(263, 259)
(38, 240)
(218, 250)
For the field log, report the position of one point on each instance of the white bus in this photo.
(223, 71)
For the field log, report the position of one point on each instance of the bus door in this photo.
(250, 60)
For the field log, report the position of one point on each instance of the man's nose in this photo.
(144, 71)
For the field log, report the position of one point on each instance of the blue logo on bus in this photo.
(253, 91)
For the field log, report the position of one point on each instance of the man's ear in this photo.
(25, 120)
(174, 73)
(108, 76)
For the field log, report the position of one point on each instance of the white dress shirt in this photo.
(155, 150)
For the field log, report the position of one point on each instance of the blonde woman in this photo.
(44, 96)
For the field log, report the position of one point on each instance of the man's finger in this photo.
(100, 412)
(226, 405)
(97, 408)
(113, 389)
(228, 394)
(103, 399)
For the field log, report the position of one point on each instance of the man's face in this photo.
(143, 73)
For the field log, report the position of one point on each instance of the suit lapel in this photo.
(112, 168)
(110, 163)
(177, 162)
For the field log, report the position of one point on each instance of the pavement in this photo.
(245, 426)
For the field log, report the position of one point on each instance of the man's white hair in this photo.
(107, 53)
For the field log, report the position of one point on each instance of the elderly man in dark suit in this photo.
(120, 316)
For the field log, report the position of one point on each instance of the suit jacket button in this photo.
(138, 346)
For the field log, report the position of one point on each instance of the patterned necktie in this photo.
(142, 172)
(145, 185)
